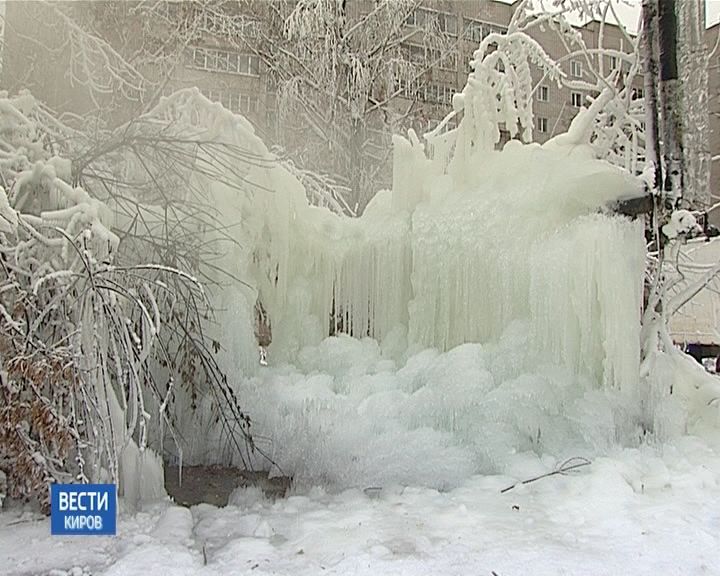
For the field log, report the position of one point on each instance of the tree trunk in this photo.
(650, 70)
(693, 73)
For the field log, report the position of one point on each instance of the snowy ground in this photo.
(636, 512)
(398, 445)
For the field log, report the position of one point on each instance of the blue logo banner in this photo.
(83, 509)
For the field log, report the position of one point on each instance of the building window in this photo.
(576, 69)
(450, 24)
(412, 90)
(414, 53)
(638, 93)
(450, 62)
(576, 99)
(613, 63)
(446, 61)
(446, 22)
(416, 18)
(224, 24)
(476, 31)
(543, 92)
(437, 94)
(429, 57)
(223, 61)
(235, 102)
(541, 124)
(247, 103)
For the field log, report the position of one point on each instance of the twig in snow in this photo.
(568, 465)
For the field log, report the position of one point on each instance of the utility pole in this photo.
(671, 105)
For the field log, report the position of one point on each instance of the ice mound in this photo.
(350, 415)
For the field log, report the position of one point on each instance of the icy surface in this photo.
(493, 319)
(447, 254)
(451, 263)
(142, 477)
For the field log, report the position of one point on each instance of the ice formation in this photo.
(475, 317)
(450, 264)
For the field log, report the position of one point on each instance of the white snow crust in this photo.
(637, 511)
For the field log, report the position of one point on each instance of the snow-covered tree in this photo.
(339, 71)
(103, 319)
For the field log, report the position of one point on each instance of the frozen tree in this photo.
(122, 56)
(499, 92)
(670, 103)
(649, 54)
(78, 330)
(86, 66)
(334, 98)
(675, 68)
(501, 72)
(694, 62)
(103, 321)
(338, 97)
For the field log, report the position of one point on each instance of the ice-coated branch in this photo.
(94, 63)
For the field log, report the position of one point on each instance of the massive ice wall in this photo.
(450, 265)
(445, 257)
(511, 251)
(453, 253)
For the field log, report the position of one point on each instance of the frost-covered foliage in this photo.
(321, 189)
(102, 349)
(77, 332)
(618, 134)
(94, 63)
(499, 90)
